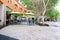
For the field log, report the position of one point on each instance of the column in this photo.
(3, 13)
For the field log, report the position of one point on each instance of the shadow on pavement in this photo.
(3, 37)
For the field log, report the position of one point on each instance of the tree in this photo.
(40, 7)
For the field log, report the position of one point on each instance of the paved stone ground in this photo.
(53, 23)
(31, 32)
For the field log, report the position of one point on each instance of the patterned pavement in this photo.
(30, 32)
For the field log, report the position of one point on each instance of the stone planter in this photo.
(43, 24)
(1, 24)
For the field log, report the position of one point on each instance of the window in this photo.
(0, 2)
(25, 11)
(16, 0)
(20, 9)
(10, 1)
(15, 5)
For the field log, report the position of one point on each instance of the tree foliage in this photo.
(53, 13)
(41, 6)
(28, 3)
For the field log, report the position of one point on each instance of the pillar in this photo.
(3, 13)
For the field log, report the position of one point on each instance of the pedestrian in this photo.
(32, 20)
(29, 21)
(12, 19)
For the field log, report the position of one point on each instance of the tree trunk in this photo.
(43, 17)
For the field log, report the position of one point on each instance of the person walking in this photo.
(32, 20)
(12, 19)
(29, 21)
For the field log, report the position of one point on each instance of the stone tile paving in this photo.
(34, 32)
(53, 23)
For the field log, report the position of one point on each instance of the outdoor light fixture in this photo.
(29, 13)
(15, 12)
